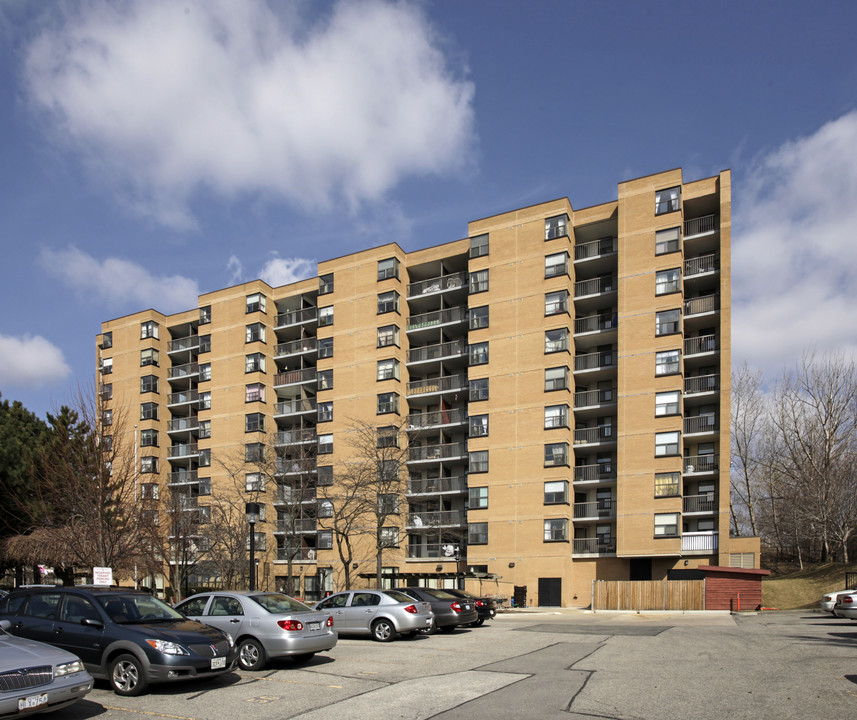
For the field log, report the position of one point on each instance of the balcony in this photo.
(594, 435)
(594, 287)
(295, 407)
(295, 437)
(432, 551)
(181, 372)
(701, 384)
(434, 386)
(185, 344)
(595, 249)
(594, 510)
(296, 347)
(439, 351)
(596, 324)
(295, 377)
(182, 451)
(705, 225)
(700, 464)
(593, 546)
(436, 518)
(456, 281)
(286, 495)
(701, 424)
(431, 486)
(437, 318)
(702, 265)
(440, 418)
(594, 361)
(299, 555)
(442, 451)
(183, 424)
(699, 503)
(182, 477)
(600, 472)
(293, 318)
(700, 345)
(702, 543)
(182, 398)
(705, 305)
(594, 398)
(297, 525)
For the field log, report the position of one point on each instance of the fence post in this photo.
(664, 607)
(592, 595)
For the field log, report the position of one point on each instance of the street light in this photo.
(252, 510)
(458, 579)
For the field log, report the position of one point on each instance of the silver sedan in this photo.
(383, 614)
(264, 624)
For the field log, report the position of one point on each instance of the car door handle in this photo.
(235, 620)
(58, 631)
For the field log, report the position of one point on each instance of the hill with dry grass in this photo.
(804, 588)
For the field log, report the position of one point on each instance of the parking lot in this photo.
(566, 664)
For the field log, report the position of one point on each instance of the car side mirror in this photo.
(91, 622)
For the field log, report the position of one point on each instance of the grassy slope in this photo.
(803, 588)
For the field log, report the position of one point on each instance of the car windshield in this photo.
(137, 608)
(439, 594)
(278, 603)
(398, 596)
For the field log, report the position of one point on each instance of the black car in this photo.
(485, 606)
(126, 637)
(449, 611)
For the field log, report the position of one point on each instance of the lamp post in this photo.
(458, 578)
(252, 510)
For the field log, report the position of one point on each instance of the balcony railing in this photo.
(296, 554)
(701, 384)
(448, 383)
(699, 305)
(595, 286)
(437, 452)
(595, 323)
(419, 421)
(297, 317)
(701, 344)
(600, 472)
(183, 477)
(436, 518)
(418, 486)
(294, 347)
(183, 371)
(436, 352)
(293, 377)
(595, 248)
(590, 398)
(185, 343)
(189, 423)
(699, 503)
(597, 509)
(292, 407)
(699, 541)
(701, 424)
(429, 551)
(589, 436)
(437, 317)
(295, 437)
(700, 265)
(593, 546)
(593, 361)
(179, 451)
(181, 398)
(437, 284)
(297, 525)
(700, 226)
(701, 464)
(285, 494)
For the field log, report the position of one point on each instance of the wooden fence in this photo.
(648, 595)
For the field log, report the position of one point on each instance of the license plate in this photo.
(314, 625)
(467, 607)
(218, 663)
(31, 702)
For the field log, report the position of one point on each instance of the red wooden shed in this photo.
(728, 588)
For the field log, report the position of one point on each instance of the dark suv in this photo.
(126, 637)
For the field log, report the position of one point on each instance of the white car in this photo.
(846, 605)
(829, 599)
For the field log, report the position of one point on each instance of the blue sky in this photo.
(160, 149)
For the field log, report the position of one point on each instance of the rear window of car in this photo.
(398, 596)
(439, 594)
(277, 603)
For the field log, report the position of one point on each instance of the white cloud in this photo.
(794, 260)
(119, 282)
(282, 271)
(30, 361)
(165, 99)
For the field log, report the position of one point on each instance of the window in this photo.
(667, 403)
(478, 389)
(388, 268)
(556, 265)
(667, 281)
(556, 378)
(388, 302)
(254, 363)
(325, 539)
(148, 438)
(325, 411)
(478, 425)
(478, 281)
(106, 443)
(388, 369)
(478, 462)
(205, 401)
(388, 437)
(556, 492)
(388, 504)
(256, 303)
(667, 322)
(254, 482)
(149, 411)
(325, 284)
(325, 379)
(205, 429)
(556, 530)
(556, 340)
(325, 444)
(254, 422)
(149, 383)
(106, 366)
(205, 315)
(478, 353)
(148, 464)
(388, 336)
(477, 533)
(205, 460)
(479, 246)
(254, 392)
(325, 316)
(666, 524)
(106, 417)
(204, 372)
(204, 343)
(254, 452)
(556, 302)
(666, 443)
(478, 498)
(388, 403)
(667, 484)
(107, 340)
(255, 333)
(325, 475)
(478, 317)
(556, 416)
(667, 241)
(325, 347)
(556, 227)
(148, 329)
(556, 454)
(258, 537)
(390, 537)
(667, 362)
(149, 356)
(667, 201)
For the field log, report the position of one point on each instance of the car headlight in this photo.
(69, 668)
(167, 648)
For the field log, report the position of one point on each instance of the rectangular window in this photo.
(205, 457)
(388, 336)
(254, 452)
(149, 491)
(258, 537)
(556, 378)
(556, 302)
(556, 530)
(325, 316)
(254, 392)
(106, 417)
(204, 372)
(388, 302)
(478, 426)
(106, 366)
(205, 315)
(666, 444)
(667, 281)
(556, 340)
(254, 482)
(556, 265)
(325, 411)
(149, 411)
(204, 343)
(668, 200)
(478, 353)
(388, 437)
(325, 539)
(478, 317)
(477, 533)
(325, 347)
(256, 303)
(556, 492)
(325, 475)
(149, 356)
(390, 537)
(205, 401)
(477, 498)
(667, 403)
(325, 444)
(667, 322)
(478, 462)
(478, 389)
(148, 464)
(205, 429)
(149, 438)
(667, 484)
(148, 329)
(388, 369)
(479, 246)
(388, 504)
(478, 281)
(556, 454)
(667, 241)
(255, 333)
(556, 416)
(388, 268)
(325, 284)
(254, 422)
(388, 403)
(107, 340)
(556, 227)
(666, 524)
(254, 363)
(149, 383)
(325, 379)
(667, 362)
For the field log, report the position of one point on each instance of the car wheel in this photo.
(448, 628)
(302, 658)
(251, 654)
(477, 623)
(127, 677)
(383, 631)
(430, 630)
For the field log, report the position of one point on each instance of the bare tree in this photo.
(748, 427)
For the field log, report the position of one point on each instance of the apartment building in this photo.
(558, 382)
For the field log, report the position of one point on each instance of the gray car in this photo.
(383, 614)
(264, 625)
(35, 677)
(449, 611)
